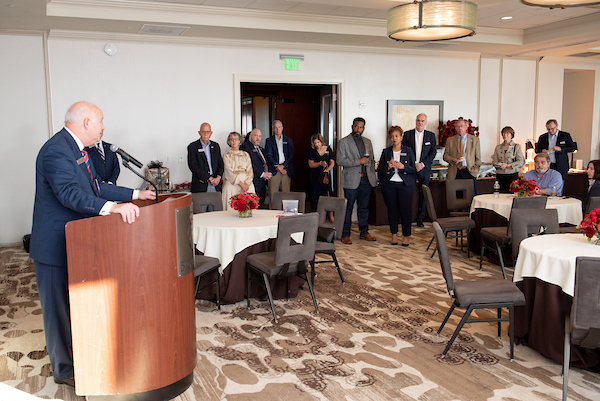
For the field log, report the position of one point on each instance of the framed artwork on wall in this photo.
(404, 113)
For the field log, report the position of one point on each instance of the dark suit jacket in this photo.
(64, 192)
(108, 169)
(566, 144)
(257, 164)
(288, 152)
(428, 149)
(408, 174)
(198, 164)
(593, 191)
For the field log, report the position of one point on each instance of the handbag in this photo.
(324, 178)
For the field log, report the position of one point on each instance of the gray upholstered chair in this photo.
(289, 257)
(592, 203)
(448, 224)
(328, 232)
(203, 266)
(480, 294)
(278, 197)
(212, 199)
(527, 223)
(582, 326)
(459, 196)
(495, 238)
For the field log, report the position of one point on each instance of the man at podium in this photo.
(67, 189)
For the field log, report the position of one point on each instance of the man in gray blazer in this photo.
(355, 155)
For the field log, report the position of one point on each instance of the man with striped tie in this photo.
(105, 162)
(67, 188)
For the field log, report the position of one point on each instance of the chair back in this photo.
(338, 207)
(440, 238)
(429, 202)
(593, 203)
(278, 197)
(585, 310)
(464, 188)
(528, 222)
(199, 199)
(529, 202)
(289, 254)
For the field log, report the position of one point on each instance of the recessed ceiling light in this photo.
(507, 17)
(11, 5)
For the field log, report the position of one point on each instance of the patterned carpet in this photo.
(374, 338)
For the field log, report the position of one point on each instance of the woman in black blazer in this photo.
(593, 173)
(397, 177)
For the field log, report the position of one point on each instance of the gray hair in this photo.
(276, 121)
(233, 134)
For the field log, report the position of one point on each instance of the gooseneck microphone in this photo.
(126, 156)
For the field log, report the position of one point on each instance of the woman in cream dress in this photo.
(238, 174)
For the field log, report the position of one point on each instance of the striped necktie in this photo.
(87, 164)
(101, 151)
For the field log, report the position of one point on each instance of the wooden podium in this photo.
(131, 289)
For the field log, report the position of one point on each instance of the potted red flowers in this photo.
(244, 203)
(589, 226)
(524, 187)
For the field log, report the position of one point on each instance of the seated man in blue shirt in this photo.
(545, 177)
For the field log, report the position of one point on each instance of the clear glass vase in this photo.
(245, 213)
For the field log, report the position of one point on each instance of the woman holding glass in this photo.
(507, 159)
(320, 159)
(397, 177)
(238, 174)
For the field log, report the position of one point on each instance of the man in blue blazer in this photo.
(106, 164)
(263, 170)
(205, 162)
(67, 189)
(422, 142)
(280, 153)
(557, 144)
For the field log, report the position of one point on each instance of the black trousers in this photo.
(398, 197)
(505, 179)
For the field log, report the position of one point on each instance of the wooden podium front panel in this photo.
(132, 317)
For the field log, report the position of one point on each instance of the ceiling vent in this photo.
(164, 30)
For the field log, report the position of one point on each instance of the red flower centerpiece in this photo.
(244, 203)
(447, 130)
(589, 226)
(524, 187)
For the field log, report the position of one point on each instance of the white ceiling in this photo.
(532, 32)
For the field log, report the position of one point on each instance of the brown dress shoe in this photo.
(346, 240)
(368, 237)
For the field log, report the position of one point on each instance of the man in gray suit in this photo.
(355, 155)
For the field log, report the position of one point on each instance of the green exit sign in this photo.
(291, 64)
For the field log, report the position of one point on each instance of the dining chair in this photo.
(278, 197)
(289, 258)
(328, 232)
(200, 199)
(593, 203)
(582, 326)
(499, 237)
(527, 223)
(479, 294)
(448, 224)
(203, 266)
(459, 196)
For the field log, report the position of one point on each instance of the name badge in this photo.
(285, 143)
(201, 150)
(402, 154)
(427, 143)
(80, 160)
(562, 142)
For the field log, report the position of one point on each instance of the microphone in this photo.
(126, 156)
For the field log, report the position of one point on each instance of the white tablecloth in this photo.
(569, 209)
(223, 234)
(551, 258)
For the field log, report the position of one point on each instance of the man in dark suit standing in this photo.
(205, 162)
(422, 142)
(263, 170)
(280, 153)
(557, 144)
(105, 162)
(67, 189)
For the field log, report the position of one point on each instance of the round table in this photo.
(545, 272)
(569, 209)
(231, 239)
